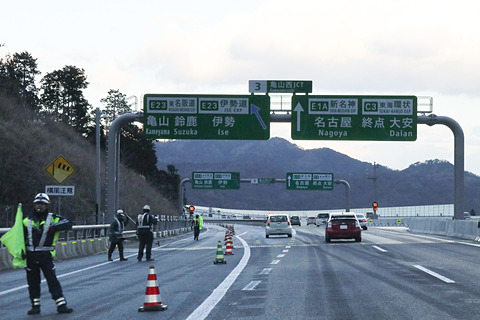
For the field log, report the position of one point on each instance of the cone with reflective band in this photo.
(153, 301)
(220, 258)
(229, 246)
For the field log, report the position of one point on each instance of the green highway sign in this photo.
(375, 118)
(216, 180)
(263, 180)
(280, 86)
(225, 117)
(309, 181)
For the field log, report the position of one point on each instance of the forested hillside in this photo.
(426, 183)
(37, 124)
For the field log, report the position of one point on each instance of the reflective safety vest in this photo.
(143, 223)
(50, 239)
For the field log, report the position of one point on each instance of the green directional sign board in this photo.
(374, 118)
(309, 181)
(263, 180)
(222, 117)
(280, 86)
(216, 180)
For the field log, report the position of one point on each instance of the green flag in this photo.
(14, 240)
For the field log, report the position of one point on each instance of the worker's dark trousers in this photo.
(42, 260)
(112, 248)
(146, 240)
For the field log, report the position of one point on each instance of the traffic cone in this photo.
(229, 246)
(219, 258)
(153, 301)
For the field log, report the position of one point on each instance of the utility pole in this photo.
(374, 179)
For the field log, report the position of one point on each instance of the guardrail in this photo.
(93, 239)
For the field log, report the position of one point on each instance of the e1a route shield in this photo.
(375, 118)
(221, 117)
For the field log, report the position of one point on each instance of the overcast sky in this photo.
(422, 48)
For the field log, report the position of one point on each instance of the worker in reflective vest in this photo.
(197, 226)
(41, 230)
(116, 235)
(145, 222)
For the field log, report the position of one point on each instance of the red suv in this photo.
(343, 226)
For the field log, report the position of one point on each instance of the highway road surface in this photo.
(391, 274)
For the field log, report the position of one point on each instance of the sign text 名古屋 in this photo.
(375, 118)
(309, 181)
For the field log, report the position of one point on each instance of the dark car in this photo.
(295, 220)
(311, 220)
(343, 226)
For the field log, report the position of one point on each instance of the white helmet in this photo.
(146, 207)
(119, 212)
(42, 198)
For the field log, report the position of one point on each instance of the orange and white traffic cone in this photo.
(153, 301)
(229, 246)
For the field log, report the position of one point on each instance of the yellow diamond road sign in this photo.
(60, 169)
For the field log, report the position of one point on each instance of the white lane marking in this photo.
(285, 251)
(380, 249)
(280, 256)
(206, 307)
(251, 285)
(275, 262)
(432, 273)
(266, 271)
(288, 247)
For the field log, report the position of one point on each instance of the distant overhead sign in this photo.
(376, 118)
(225, 117)
(309, 181)
(216, 180)
(280, 86)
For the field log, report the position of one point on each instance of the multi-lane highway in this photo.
(391, 274)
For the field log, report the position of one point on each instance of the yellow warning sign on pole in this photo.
(60, 169)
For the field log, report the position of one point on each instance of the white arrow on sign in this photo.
(298, 109)
(289, 178)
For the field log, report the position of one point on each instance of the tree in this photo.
(115, 105)
(62, 97)
(17, 78)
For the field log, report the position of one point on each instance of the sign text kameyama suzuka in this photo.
(375, 118)
(225, 117)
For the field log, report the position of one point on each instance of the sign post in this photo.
(309, 181)
(375, 118)
(225, 117)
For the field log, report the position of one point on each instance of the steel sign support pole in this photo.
(113, 162)
(347, 192)
(459, 158)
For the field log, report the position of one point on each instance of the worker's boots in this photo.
(35, 306)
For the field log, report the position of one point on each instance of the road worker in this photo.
(145, 223)
(116, 235)
(41, 231)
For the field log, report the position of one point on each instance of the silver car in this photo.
(362, 220)
(322, 219)
(278, 224)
